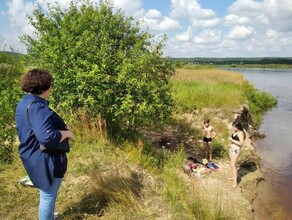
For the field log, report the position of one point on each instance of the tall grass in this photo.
(16, 202)
(106, 181)
(197, 89)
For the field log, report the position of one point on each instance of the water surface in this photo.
(276, 149)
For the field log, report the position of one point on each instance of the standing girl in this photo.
(237, 141)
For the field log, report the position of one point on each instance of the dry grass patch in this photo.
(209, 75)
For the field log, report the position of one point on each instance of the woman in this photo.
(237, 141)
(209, 133)
(37, 125)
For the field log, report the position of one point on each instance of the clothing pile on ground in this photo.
(199, 169)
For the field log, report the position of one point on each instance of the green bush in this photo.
(259, 101)
(10, 92)
(102, 63)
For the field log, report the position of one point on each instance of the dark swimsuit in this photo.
(232, 149)
(235, 137)
(205, 139)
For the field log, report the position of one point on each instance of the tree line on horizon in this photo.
(234, 60)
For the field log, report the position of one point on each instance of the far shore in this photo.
(257, 66)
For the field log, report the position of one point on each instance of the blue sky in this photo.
(195, 28)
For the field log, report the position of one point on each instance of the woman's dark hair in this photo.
(36, 81)
(239, 126)
(206, 121)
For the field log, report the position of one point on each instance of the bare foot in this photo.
(234, 185)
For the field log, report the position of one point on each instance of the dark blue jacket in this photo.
(41, 127)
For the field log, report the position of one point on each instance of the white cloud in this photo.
(271, 34)
(233, 19)
(247, 12)
(278, 9)
(208, 37)
(130, 7)
(189, 9)
(277, 14)
(192, 11)
(240, 33)
(248, 8)
(169, 24)
(286, 41)
(153, 14)
(185, 36)
(18, 11)
(164, 24)
(182, 8)
(203, 24)
(280, 14)
(263, 26)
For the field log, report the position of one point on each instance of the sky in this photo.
(195, 28)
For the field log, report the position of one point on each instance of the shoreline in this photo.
(250, 173)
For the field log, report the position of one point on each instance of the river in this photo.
(275, 150)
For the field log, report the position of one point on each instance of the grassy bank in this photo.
(219, 89)
(110, 180)
(197, 89)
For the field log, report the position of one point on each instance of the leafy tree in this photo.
(102, 63)
(11, 68)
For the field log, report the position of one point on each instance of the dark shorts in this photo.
(205, 139)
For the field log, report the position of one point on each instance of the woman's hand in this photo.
(66, 134)
(70, 133)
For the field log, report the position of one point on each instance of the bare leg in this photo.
(208, 153)
(206, 149)
(234, 158)
(230, 156)
(210, 150)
